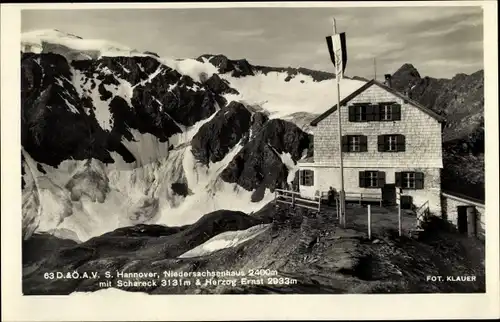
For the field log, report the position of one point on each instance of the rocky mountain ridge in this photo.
(169, 134)
(88, 123)
(461, 101)
(134, 163)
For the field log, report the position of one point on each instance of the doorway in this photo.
(462, 219)
(389, 194)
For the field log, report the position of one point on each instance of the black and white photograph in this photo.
(252, 150)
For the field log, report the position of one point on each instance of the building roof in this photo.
(462, 196)
(424, 109)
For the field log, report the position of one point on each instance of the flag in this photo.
(338, 52)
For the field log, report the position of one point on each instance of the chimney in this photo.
(388, 80)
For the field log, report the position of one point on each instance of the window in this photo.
(306, 177)
(360, 113)
(385, 112)
(357, 112)
(388, 111)
(371, 179)
(368, 112)
(391, 143)
(354, 143)
(410, 180)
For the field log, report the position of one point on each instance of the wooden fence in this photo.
(294, 198)
(364, 196)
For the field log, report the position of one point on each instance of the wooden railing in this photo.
(364, 196)
(294, 198)
(422, 212)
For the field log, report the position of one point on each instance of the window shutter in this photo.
(361, 179)
(381, 179)
(396, 112)
(345, 143)
(363, 142)
(376, 112)
(381, 143)
(312, 177)
(419, 180)
(401, 143)
(399, 181)
(369, 110)
(352, 113)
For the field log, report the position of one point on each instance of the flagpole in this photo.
(338, 71)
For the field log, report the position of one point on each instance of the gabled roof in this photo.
(343, 102)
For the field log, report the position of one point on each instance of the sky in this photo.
(439, 42)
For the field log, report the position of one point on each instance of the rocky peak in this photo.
(237, 68)
(405, 77)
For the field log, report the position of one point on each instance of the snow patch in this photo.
(225, 240)
(150, 77)
(292, 167)
(281, 98)
(72, 107)
(71, 46)
(146, 148)
(191, 67)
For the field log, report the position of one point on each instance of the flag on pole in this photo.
(338, 52)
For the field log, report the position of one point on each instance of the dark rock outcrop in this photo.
(216, 137)
(258, 121)
(258, 165)
(219, 85)
(181, 189)
(461, 101)
(237, 68)
(241, 68)
(316, 75)
(59, 119)
(52, 114)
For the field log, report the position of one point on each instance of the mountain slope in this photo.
(135, 162)
(291, 250)
(121, 137)
(460, 99)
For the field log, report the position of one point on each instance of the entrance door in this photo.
(389, 194)
(462, 219)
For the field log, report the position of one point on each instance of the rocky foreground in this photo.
(296, 252)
